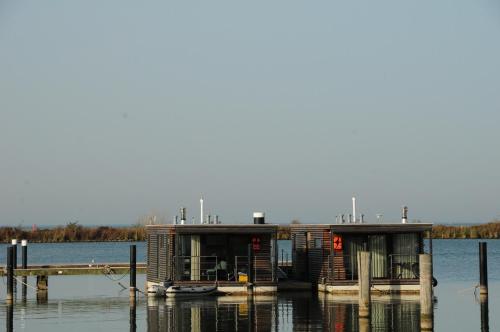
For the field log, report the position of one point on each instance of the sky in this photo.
(113, 110)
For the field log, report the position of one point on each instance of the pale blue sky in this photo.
(110, 110)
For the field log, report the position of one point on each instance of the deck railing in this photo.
(404, 266)
(213, 268)
(392, 266)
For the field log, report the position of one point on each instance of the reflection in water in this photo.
(133, 315)
(485, 320)
(287, 312)
(9, 315)
(226, 313)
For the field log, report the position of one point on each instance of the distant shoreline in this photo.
(73, 232)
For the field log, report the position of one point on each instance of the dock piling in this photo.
(10, 274)
(250, 263)
(14, 261)
(426, 305)
(133, 268)
(14, 257)
(364, 272)
(483, 269)
(42, 282)
(24, 253)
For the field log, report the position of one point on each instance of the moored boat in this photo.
(174, 291)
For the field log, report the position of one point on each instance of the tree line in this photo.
(73, 232)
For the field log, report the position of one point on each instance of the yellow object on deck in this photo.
(242, 277)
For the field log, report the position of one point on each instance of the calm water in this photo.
(80, 303)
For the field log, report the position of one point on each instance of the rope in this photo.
(108, 272)
(35, 288)
(467, 289)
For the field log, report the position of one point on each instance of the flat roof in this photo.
(218, 228)
(369, 227)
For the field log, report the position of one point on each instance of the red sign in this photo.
(256, 244)
(337, 242)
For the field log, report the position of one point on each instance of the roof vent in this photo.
(259, 218)
(404, 219)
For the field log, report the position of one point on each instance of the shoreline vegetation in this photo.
(73, 232)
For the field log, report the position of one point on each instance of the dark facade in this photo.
(328, 253)
(211, 253)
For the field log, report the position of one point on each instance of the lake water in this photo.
(80, 303)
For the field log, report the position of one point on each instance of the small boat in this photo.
(174, 291)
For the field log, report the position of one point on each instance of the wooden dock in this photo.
(75, 269)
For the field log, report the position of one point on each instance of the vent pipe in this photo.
(404, 219)
(201, 210)
(183, 215)
(354, 209)
(216, 219)
(259, 218)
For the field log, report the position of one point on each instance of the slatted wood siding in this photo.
(263, 268)
(311, 248)
(160, 252)
(161, 247)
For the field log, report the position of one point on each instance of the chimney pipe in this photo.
(201, 210)
(259, 218)
(404, 219)
(354, 209)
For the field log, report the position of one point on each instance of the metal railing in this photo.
(396, 266)
(404, 266)
(196, 268)
(213, 268)
(284, 259)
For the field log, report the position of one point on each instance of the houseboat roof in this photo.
(217, 228)
(369, 228)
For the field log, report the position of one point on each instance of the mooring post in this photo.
(483, 269)
(14, 245)
(14, 261)
(133, 267)
(24, 253)
(250, 263)
(10, 274)
(426, 306)
(364, 272)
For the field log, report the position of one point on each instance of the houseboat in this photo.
(237, 258)
(326, 255)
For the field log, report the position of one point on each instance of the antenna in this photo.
(201, 210)
(354, 209)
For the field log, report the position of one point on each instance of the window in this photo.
(317, 243)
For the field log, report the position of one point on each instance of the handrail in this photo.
(208, 267)
(397, 266)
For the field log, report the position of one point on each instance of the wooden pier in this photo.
(75, 269)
